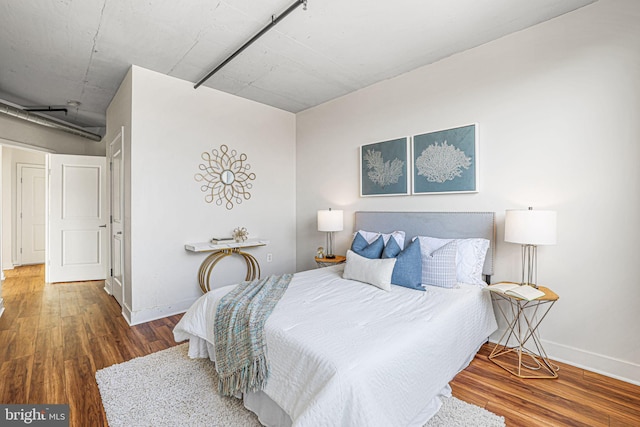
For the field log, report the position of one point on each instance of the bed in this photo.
(342, 352)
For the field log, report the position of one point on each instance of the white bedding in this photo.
(346, 353)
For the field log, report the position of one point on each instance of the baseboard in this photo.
(148, 314)
(598, 363)
(1, 306)
(611, 367)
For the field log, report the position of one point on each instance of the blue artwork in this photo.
(446, 161)
(383, 168)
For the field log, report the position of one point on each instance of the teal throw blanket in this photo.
(241, 360)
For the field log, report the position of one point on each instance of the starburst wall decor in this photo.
(225, 176)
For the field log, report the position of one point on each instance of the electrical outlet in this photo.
(269, 257)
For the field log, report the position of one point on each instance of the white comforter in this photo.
(344, 353)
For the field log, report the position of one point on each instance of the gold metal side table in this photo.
(525, 358)
(221, 251)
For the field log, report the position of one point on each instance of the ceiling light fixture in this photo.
(274, 20)
(73, 103)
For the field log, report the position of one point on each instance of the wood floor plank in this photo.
(48, 380)
(50, 308)
(8, 338)
(106, 352)
(26, 336)
(16, 379)
(75, 338)
(8, 319)
(619, 395)
(78, 328)
(83, 396)
(69, 301)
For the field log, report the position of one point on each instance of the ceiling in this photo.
(55, 51)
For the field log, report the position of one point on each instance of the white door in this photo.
(31, 197)
(117, 218)
(77, 237)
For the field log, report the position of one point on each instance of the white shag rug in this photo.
(169, 389)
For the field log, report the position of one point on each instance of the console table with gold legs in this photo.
(221, 251)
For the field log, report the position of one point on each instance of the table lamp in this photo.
(330, 221)
(530, 228)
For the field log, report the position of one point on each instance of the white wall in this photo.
(557, 107)
(172, 125)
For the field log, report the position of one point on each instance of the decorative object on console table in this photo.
(523, 318)
(223, 250)
(217, 240)
(530, 228)
(240, 234)
(330, 221)
(328, 262)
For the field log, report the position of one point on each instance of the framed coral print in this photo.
(446, 161)
(384, 168)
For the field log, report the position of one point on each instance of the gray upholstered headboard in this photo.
(445, 225)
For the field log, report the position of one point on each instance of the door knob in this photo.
(103, 226)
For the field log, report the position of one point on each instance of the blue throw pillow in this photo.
(392, 249)
(363, 248)
(408, 269)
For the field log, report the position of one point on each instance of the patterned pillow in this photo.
(408, 269)
(363, 248)
(439, 267)
(470, 256)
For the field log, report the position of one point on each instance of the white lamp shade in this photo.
(330, 220)
(530, 227)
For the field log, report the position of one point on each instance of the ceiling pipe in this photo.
(274, 21)
(13, 111)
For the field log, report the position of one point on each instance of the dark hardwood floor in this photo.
(53, 338)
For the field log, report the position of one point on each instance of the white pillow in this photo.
(376, 272)
(371, 236)
(470, 256)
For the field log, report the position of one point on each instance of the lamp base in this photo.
(330, 256)
(529, 265)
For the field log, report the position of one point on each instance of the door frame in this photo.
(110, 278)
